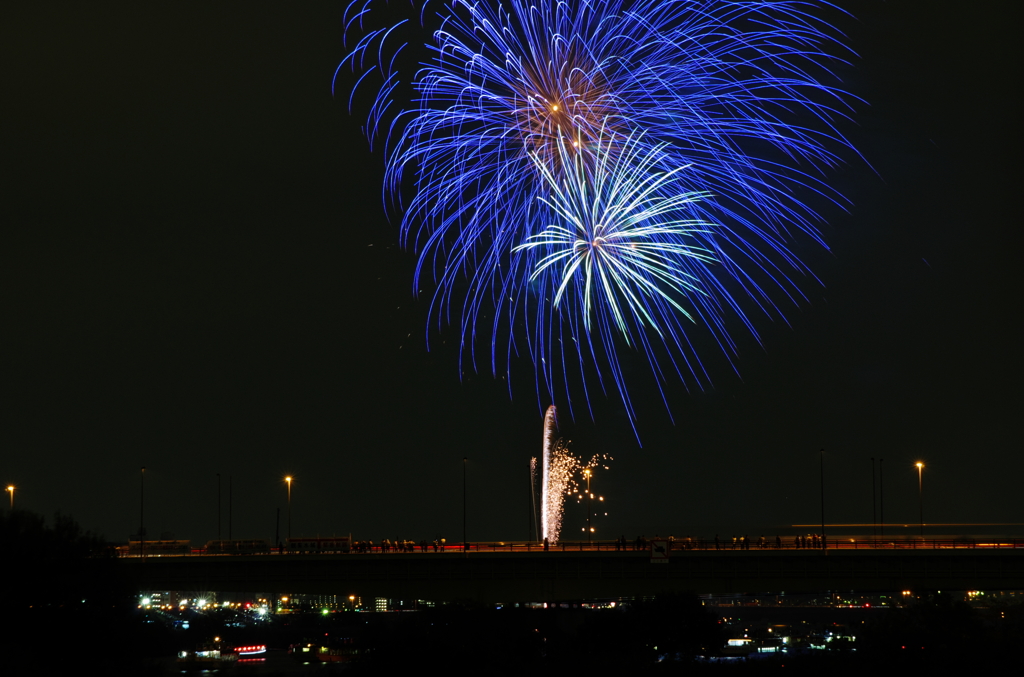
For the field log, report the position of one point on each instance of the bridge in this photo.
(578, 574)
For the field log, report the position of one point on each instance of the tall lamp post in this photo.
(821, 467)
(10, 489)
(881, 499)
(142, 511)
(464, 505)
(874, 501)
(590, 506)
(288, 480)
(920, 495)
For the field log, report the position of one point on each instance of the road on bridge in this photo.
(515, 574)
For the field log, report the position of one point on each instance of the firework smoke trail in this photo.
(737, 92)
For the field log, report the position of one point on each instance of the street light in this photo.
(821, 469)
(881, 499)
(464, 505)
(590, 508)
(142, 511)
(288, 480)
(920, 498)
(874, 502)
(10, 488)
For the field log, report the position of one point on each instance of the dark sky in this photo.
(198, 278)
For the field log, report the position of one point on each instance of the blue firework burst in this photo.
(522, 118)
(623, 262)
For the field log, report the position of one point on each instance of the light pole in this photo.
(142, 511)
(531, 533)
(10, 489)
(288, 480)
(881, 499)
(464, 505)
(874, 501)
(920, 495)
(590, 505)
(821, 466)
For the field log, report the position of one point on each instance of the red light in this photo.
(248, 650)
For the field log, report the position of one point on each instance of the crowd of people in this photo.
(387, 545)
(762, 543)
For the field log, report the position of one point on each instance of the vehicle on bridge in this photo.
(252, 546)
(334, 544)
(154, 548)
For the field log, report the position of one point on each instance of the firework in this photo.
(562, 467)
(559, 477)
(519, 107)
(624, 256)
(550, 513)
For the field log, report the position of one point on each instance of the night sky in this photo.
(199, 277)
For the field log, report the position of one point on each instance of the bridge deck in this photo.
(554, 576)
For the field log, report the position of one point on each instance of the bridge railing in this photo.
(639, 546)
(703, 544)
